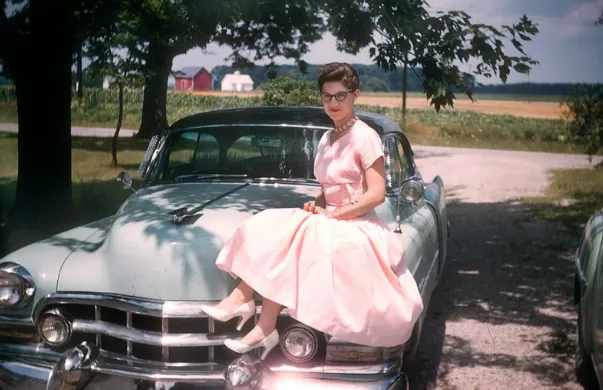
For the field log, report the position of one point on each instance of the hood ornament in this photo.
(183, 213)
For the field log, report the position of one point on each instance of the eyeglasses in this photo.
(339, 96)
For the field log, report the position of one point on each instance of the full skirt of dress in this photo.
(346, 278)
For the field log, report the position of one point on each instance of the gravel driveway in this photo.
(502, 317)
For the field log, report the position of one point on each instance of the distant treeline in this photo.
(372, 78)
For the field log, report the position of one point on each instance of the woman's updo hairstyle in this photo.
(339, 71)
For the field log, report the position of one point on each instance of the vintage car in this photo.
(588, 296)
(115, 303)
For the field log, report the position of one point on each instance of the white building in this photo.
(237, 82)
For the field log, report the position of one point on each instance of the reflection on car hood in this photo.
(145, 254)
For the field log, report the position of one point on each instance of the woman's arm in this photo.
(373, 197)
(321, 201)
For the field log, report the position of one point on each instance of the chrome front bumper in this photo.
(84, 367)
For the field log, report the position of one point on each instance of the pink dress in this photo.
(336, 276)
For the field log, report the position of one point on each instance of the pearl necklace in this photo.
(346, 126)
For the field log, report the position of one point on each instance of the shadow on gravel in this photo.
(503, 272)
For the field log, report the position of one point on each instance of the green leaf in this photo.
(522, 68)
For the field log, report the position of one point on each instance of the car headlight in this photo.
(54, 328)
(411, 190)
(299, 343)
(16, 286)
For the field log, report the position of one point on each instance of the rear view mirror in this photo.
(266, 142)
(126, 180)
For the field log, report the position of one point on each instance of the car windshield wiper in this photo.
(212, 176)
(286, 179)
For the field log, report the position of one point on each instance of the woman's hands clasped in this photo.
(314, 209)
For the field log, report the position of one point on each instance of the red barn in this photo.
(193, 78)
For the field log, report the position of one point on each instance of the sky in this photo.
(569, 47)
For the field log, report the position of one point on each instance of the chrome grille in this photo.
(148, 334)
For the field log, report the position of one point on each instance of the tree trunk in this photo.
(79, 86)
(118, 127)
(154, 118)
(404, 88)
(43, 197)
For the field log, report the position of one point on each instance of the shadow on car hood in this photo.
(145, 254)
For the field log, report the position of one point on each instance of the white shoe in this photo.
(245, 312)
(268, 343)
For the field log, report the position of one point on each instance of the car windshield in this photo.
(239, 152)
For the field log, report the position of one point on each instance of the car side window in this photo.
(404, 168)
(393, 166)
(192, 151)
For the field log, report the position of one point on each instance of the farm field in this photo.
(527, 106)
(486, 124)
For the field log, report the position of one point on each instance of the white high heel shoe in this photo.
(244, 312)
(268, 343)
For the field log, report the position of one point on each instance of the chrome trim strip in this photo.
(211, 328)
(40, 353)
(37, 375)
(129, 326)
(24, 369)
(32, 351)
(309, 126)
(16, 321)
(579, 267)
(427, 277)
(147, 337)
(368, 369)
(153, 308)
(97, 317)
(138, 306)
(165, 351)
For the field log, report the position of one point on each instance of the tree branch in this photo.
(415, 72)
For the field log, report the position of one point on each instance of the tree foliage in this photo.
(436, 44)
(585, 112)
(586, 119)
(159, 30)
(266, 29)
(113, 56)
(287, 91)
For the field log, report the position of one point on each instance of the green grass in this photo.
(571, 198)
(96, 193)
(476, 130)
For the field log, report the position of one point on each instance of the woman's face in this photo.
(335, 109)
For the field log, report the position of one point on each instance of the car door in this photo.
(594, 325)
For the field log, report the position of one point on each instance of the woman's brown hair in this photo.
(339, 71)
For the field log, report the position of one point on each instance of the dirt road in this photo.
(502, 317)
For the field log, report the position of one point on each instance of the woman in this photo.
(334, 264)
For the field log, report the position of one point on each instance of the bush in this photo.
(287, 91)
(586, 115)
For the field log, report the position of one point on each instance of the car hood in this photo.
(145, 254)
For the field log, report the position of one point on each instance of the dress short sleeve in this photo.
(370, 148)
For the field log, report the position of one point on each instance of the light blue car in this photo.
(115, 304)
(589, 301)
